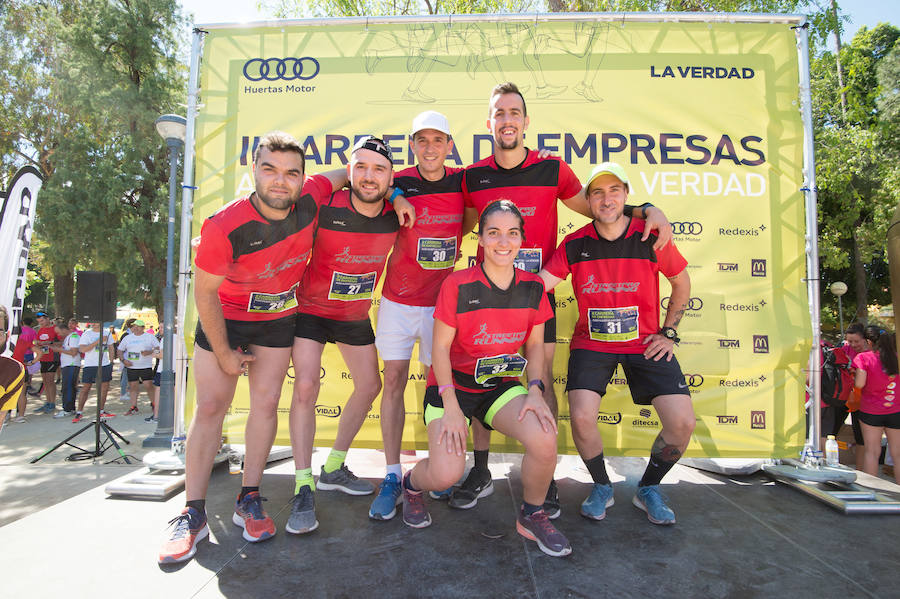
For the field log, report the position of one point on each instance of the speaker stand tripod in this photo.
(98, 424)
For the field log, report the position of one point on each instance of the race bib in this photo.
(504, 365)
(436, 253)
(131, 356)
(613, 324)
(528, 259)
(349, 288)
(272, 302)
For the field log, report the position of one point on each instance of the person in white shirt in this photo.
(157, 383)
(136, 352)
(70, 364)
(90, 347)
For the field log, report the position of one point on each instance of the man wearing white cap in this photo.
(136, 353)
(615, 279)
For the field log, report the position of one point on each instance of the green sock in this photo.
(334, 461)
(303, 477)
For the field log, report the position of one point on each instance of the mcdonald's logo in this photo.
(758, 419)
(760, 344)
(757, 267)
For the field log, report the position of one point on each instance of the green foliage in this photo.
(362, 8)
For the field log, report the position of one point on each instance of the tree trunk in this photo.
(862, 291)
(155, 270)
(64, 293)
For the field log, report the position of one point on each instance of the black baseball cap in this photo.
(370, 142)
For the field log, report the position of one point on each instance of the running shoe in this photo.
(303, 512)
(650, 500)
(188, 529)
(105, 414)
(441, 495)
(47, 408)
(344, 480)
(20, 420)
(132, 410)
(249, 515)
(384, 507)
(64, 414)
(601, 497)
(150, 418)
(539, 529)
(415, 513)
(551, 501)
(78, 417)
(476, 486)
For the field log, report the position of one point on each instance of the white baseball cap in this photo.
(430, 119)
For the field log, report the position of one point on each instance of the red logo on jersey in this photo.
(482, 337)
(592, 286)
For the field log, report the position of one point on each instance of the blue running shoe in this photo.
(651, 501)
(441, 495)
(601, 497)
(384, 507)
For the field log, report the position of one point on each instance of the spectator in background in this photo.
(73, 326)
(47, 344)
(70, 364)
(123, 375)
(157, 381)
(89, 345)
(879, 409)
(136, 353)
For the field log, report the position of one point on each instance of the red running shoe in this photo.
(187, 530)
(249, 515)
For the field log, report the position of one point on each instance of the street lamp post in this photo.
(839, 288)
(171, 128)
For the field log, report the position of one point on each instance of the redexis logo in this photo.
(281, 69)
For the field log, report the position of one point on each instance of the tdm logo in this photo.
(729, 343)
(760, 344)
(328, 411)
(727, 419)
(283, 69)
(728, 267)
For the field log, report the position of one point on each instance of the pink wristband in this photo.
(443, 388)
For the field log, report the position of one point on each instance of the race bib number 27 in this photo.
(351, 287)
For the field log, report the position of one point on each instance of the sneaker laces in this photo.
(347, 472)
(471, 484)
(181, 526)
(252, 503)
(415, 502)
(540, 519)
(389, 487)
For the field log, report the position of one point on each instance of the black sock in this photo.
(407, 482)
(597, 467)
(528, 508)
(481, 459)
(245, 490)
(662, 457)
(197, 504)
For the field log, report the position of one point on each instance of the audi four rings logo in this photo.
(286, 69)
(686, 228)
(693, 380)
(695, 303)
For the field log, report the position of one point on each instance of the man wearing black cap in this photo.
(356, 231)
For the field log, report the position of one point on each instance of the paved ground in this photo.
(735, 537)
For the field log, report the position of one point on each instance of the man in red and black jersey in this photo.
(615, 278)
(47, 344)
(355, 234)
(536, 184)
(250, 258)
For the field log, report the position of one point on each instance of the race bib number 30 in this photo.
(528, 259)
(272, 302)
(613, 324)
(349, 287)
(504, 365)
(434, 253)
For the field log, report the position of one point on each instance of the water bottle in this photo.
(832, 458)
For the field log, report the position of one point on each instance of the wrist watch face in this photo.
(669, 333)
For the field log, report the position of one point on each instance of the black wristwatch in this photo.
(670, 333)
(538, 382)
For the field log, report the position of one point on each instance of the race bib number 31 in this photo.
(435, 254)
(613, 324)
(504, 365)
(529, 260)
(272, 302)
(350, 287)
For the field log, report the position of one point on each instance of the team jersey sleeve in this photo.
(445, 310)
(214, 254)
(544, 311)
(467, 197)
(569, 185)
(319, 187)
(670, 260)
(558, 264)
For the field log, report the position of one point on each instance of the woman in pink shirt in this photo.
(879, 410)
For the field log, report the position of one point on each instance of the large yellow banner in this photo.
(704, 117)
